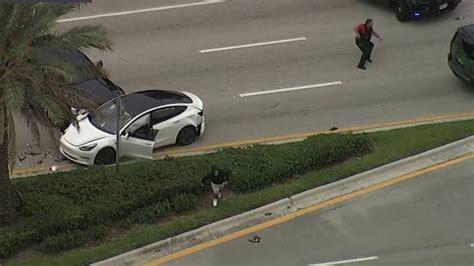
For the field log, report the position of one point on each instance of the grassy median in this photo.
(387, 147)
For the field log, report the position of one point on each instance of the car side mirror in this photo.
(78, 112)
(80, 117)
(74, 111)
(127, 135)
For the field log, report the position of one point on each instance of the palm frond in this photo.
(65, 94)
(86, 37)
(47, 105)
(68, 76)
(53, 65)
(43, 18)
(5, 12)
(59, 10)
(11, 21)
(41, 90)
(13, 93)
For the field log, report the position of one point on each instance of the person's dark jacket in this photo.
(220, 179)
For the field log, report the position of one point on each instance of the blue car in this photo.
(413, 9)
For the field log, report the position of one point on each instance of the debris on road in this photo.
(255, 239)
(33, 154)
(54, 168)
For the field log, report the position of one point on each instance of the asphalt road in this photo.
(428, 220)
(162, 49)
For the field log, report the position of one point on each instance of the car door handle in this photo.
(176, 122)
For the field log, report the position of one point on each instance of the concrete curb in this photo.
(199, 235)
(384, 173)
(293, 203)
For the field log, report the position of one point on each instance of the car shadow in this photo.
(378, 6)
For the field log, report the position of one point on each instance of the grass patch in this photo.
(389, 146)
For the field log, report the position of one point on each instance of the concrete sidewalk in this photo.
(297, 202)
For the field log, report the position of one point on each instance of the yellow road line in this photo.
(288, 217)
(172, 151)
(419, 120)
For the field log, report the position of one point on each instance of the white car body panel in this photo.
(168, 130)
(84, 133)
(137, 148)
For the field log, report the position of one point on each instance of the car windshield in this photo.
(105, 118)
(468, 49)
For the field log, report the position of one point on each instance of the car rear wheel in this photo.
(186, 136)
(105, 156)
(402, 11)
(451, 6)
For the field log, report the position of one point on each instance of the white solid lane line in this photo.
(252, 45)
(291, 89)
(344, 261)
(137, 11)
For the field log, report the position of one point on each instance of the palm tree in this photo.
(35, 88)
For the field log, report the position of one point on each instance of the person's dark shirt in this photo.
(219, 179)
(365, 32)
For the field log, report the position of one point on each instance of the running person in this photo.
(218, 179)
(364, 34)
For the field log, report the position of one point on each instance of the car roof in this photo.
(467, 33)
(141, 101)
(99, 88)
(76, 57)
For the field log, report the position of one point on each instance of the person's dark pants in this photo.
(366, 47)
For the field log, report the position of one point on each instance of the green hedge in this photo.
(71, 239)
(68, 209)
(264, 165)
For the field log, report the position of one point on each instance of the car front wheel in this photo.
(186, 136)
(402, 11)
(105, 156)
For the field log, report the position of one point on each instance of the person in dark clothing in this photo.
(218, 179)
(364, 34)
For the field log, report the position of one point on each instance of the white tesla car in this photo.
(148, 120)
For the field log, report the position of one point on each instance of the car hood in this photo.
(84, 133)
(197, 102)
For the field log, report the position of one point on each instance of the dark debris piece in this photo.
(255, 239)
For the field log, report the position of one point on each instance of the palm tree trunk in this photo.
(6, 208)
